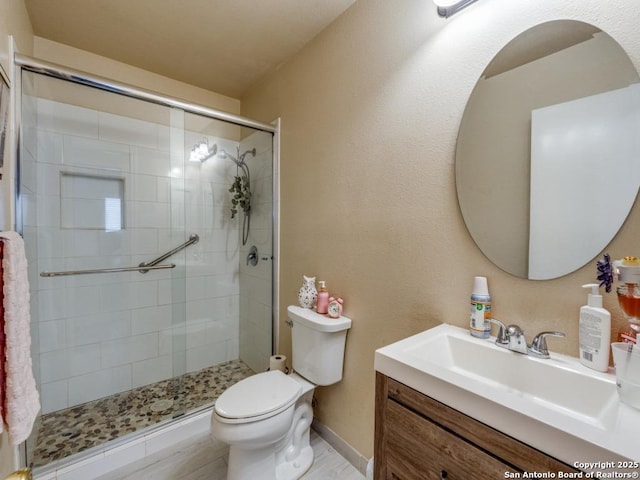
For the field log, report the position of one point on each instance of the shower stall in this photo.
(147, 298)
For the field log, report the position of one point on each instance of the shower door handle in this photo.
(252, 256)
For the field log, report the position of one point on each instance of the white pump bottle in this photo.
(595, 331)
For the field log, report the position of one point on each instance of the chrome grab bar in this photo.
(192, 239)
(142, 268)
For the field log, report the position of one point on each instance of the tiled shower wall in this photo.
(256, 292)
(101, 334)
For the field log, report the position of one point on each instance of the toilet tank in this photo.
(317, 343)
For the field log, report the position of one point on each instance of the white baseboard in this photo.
(354, 457)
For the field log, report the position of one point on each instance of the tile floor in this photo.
(202, 458)
(76, 429)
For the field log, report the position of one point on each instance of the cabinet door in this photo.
(417, 448)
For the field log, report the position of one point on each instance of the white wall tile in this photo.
(81, 243)
(52, 304)
(149, 161)
(152, 370)
(144, 293)
(130, 131)
(128, 350)
(163, 189)
(107, 156)
(51, 243)
(49, 147)
(64, 118)
(116, 243)
(144, 188)
(53, 335)
(48, 178)
(85, 388)
(206, 355)
(61, 364)
(54, 396)
(98, 328)
(83, 300)
(48, 211)
(151, 319)
(151, 215)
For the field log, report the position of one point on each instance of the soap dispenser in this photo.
(595, 331)
(322, 305)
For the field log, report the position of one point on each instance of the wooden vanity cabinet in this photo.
(417, 437)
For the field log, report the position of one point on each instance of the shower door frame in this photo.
(30, 64)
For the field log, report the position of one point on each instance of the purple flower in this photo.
(605, 272)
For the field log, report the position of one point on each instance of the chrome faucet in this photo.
(512, 338)
(538, 347)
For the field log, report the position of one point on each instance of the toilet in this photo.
(266, 418)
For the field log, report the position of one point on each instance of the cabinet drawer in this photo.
(486, 438)
(420, 449)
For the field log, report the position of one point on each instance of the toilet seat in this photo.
(259, 396)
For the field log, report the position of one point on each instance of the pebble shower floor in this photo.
(73, 430)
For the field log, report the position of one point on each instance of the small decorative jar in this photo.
(307, 295)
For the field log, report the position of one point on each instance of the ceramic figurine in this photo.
(307, 295)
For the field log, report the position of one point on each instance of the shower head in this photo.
(240, 159)
(202, 152)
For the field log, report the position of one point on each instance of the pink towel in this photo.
(2, 341)
(22, 401)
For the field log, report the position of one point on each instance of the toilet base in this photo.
(260, 464)
(248, 464)
(296, 468)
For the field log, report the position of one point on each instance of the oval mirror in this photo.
(547, 157)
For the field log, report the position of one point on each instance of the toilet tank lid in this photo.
(258, 395)
(317, 321)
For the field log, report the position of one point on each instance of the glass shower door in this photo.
(108, 182)
(101, 188)
(229, 298)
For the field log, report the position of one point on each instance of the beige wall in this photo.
(14, 20)
(370, 112)
(97, 65)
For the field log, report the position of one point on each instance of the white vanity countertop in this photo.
(556, 405)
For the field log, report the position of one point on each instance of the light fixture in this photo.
(201, 151)
(446, 8)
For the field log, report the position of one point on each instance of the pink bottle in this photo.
(322, 305)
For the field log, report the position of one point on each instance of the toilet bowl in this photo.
(266, 422)
(266, 418)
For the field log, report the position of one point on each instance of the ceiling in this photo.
(221, 45)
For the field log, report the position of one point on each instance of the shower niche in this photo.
(91, 202)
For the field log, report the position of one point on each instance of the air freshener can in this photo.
(479, 325)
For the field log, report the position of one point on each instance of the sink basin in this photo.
(551, 383)
(557, 404)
